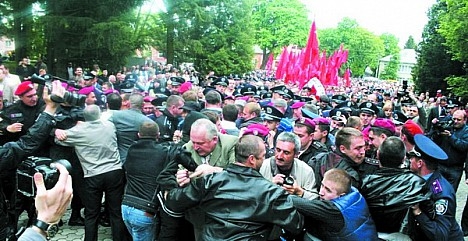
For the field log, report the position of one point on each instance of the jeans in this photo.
(140, 224)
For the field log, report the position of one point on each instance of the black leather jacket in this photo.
(13, 153)
(235, 204)
(167, 126)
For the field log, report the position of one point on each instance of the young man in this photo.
(341, 213)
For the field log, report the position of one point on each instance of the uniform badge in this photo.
(338, 113)
(368, 105)
(441, 206)
(269, 110)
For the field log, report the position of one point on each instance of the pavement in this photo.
(69, 233)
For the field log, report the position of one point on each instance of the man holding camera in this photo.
(284, 165)
(454, 141)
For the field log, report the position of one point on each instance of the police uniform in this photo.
(436, 221)
(315, 147)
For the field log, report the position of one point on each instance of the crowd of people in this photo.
(165, 153)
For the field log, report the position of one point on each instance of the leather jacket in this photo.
(235, 204)
(13, 153)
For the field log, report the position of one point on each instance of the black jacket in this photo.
(167, 126)
(235, 204)
(145, 160)
(13, 153)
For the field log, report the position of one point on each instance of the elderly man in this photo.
(242, 189)
(206, 146)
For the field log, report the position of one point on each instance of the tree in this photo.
(390, 48)
(434, 62)
(213, 34)
(364, 47)
(454, 28)
(410, 44)
(279, 23)
(86, 33)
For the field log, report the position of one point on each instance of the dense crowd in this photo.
(165, 153)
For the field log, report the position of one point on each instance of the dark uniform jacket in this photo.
(235, 204)
(444, 226)
(18, 113)
(456, 146)
(314, 148)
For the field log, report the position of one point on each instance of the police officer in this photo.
(437, 221)
(305, 128)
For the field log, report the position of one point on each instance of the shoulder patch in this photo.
(371, 161)
(441, 206)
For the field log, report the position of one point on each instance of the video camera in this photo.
(71, 98)
(184, 158)
(404, 91)
(44, 165)
(443, 125)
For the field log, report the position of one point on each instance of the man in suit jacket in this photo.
(436, 112)
(210, 147)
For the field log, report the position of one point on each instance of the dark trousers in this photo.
(453, 174)
(110, 183)
(464, 219)
(175, 229)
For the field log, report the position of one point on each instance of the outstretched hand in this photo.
(52, 204)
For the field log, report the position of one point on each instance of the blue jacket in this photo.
(358, 221)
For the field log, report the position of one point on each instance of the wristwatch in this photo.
(50, 229)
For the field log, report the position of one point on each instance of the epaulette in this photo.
(318, 145)
(372, 161)
(436, 187)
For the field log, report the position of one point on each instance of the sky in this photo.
(401, 18)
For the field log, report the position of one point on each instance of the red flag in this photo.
(311, 50)
(347, 76)
(269, 64)
(282, 62)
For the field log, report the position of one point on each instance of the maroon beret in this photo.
(256, 130)
(297, 105)
(321, 121)
(86, 90)
(307, 122)
(24, 87)
(384, 124)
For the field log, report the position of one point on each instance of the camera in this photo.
(26, 170)
(71, 98)
(184, 158)
(444, 125)
(288, 181)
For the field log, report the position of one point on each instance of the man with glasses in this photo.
(437, 221)
(453, 139)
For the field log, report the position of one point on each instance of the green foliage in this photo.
(458, 84)
(198, 31)
(390, 48)
(434, 62)
(410, 44)
(454, 28)
(279, 23)
(365, 48)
